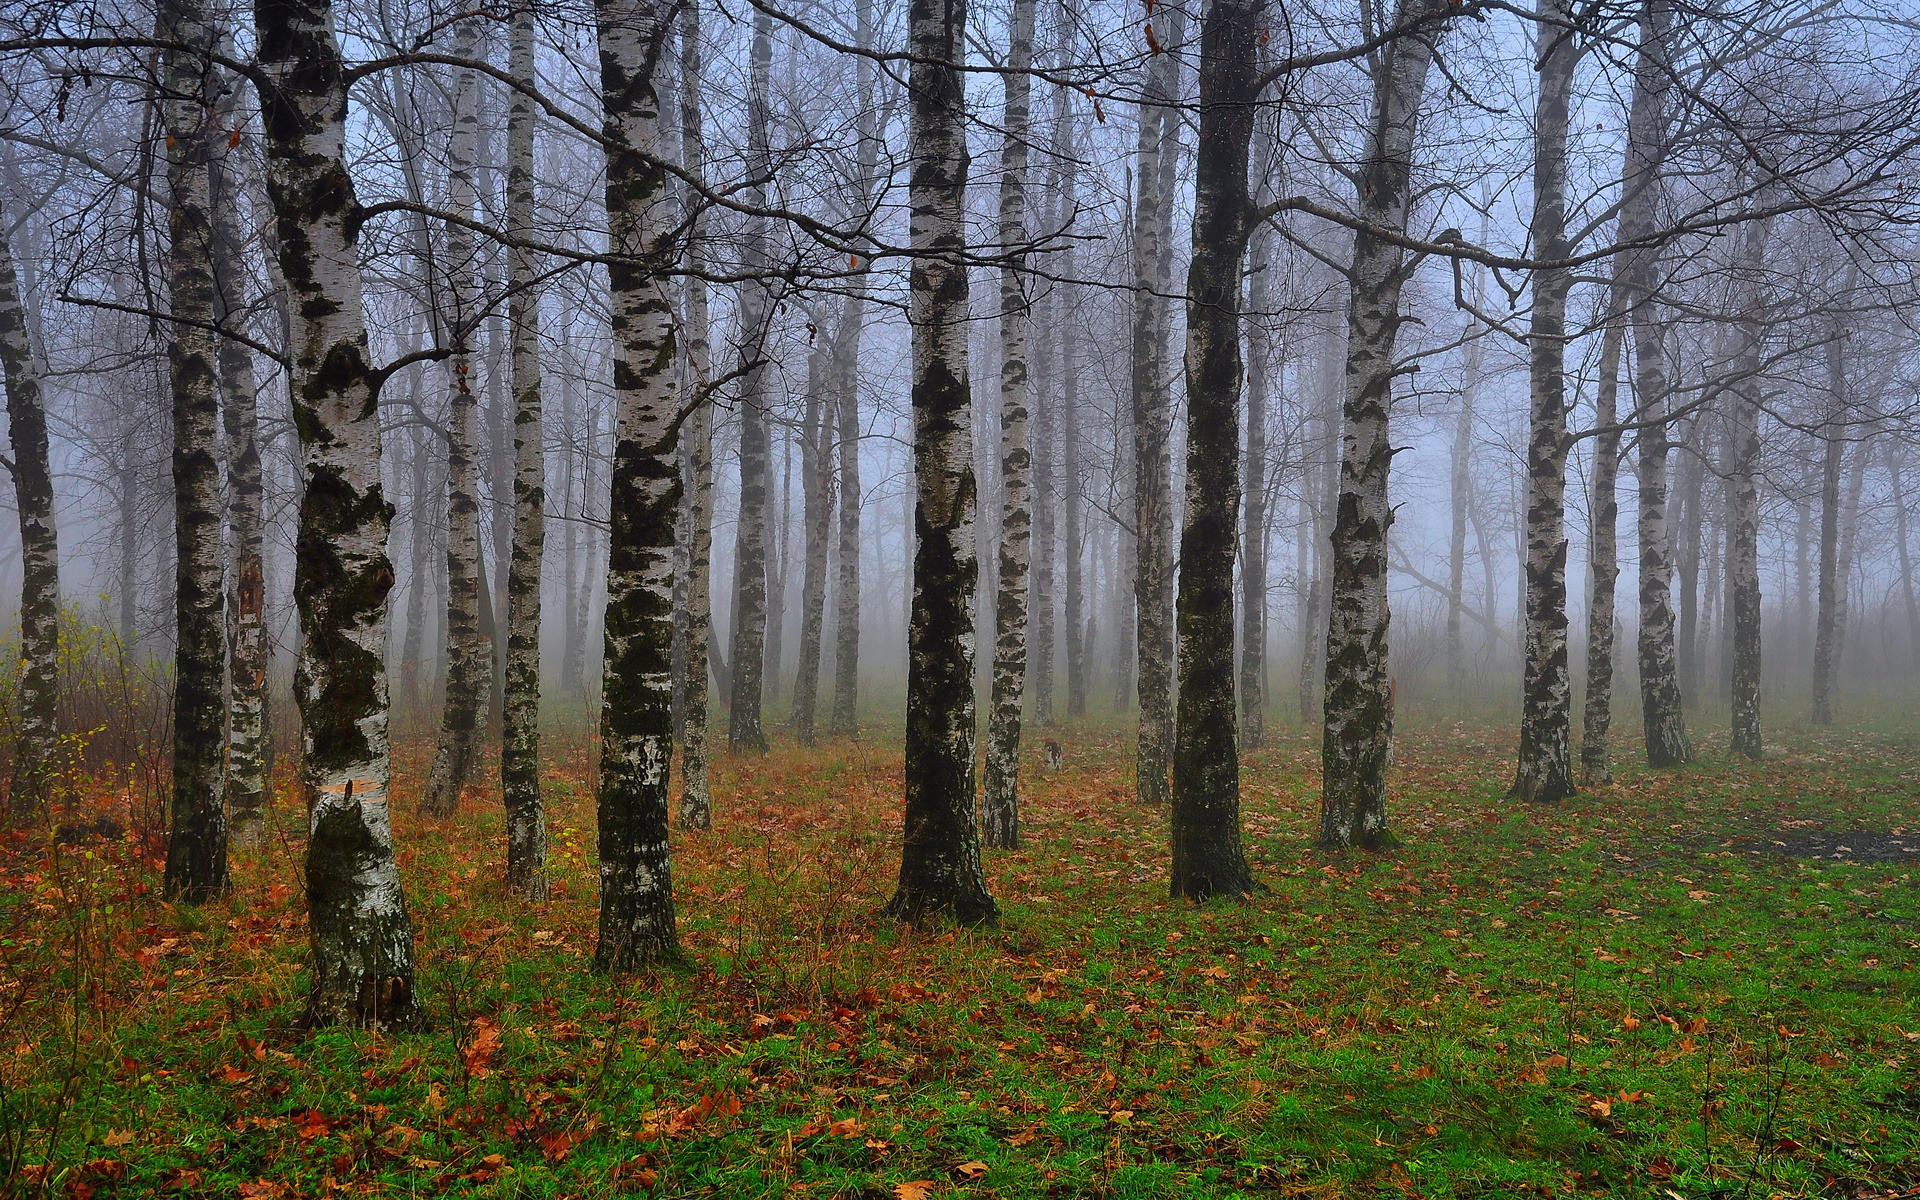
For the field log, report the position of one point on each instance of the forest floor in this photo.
(1691, 984)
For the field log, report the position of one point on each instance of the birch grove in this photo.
(596, 380)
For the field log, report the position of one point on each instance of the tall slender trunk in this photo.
(1901, 544)
(1832, 585)
(1687, 560)
(1603, 551)
(1207, 855)
(362, 938)
(573, 575)
(1000, 806)
(1313, 631)
(779, 552)
(1253, 518)
(636, 707)
(247, 698)
(1460, 496)
(1849, 541)
(36, 701)
(1073, 501)
(696, 809)
(413, 645)
(128, 529)
(1647, 120)
(1358, 724)
(1743, 494)
(469, 657)
(846, 647)
(1545, 771)
(940, 870)
(520, 709)
(1043, 600)
(816, 472)
(750, 574)
(197, 839)
(1153, 433)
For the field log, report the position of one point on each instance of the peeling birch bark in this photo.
(362, 962)
(636, 708)
(940, 870)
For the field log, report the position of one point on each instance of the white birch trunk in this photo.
(1545, 771)
(197, 839)
(1357, 726)
(636, 707)
(1001, 802)
(696, 808)
(362, 936)
(940, 869)
(520, 709)
(468, 653)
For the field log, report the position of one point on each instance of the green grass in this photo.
(1616, 996)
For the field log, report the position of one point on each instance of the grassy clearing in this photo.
(1627, 995)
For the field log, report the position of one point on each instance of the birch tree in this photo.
(695, 803)
(940, 869)
(247, 694)
(816, 473)
(1357, 724)
(362, 943)
(1603, 549)
(846, 650)
(750, 568)
(1001, 803)
(36, 696)
(636, 708)
(1545, 771)
(1207, 855)
(1253, 519)
(1647, 120)
(520, 712)
(1153, 432)
(197, 839)
(468, 653)
(1743, 517)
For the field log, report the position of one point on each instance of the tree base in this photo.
(387, 1005)
(635, 954)
(923, 908)
(1542, 791)
(1374, 842)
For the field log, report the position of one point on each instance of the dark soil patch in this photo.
(1855, 846)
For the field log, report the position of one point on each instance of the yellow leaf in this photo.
(914, 1189)
(118, 1137)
